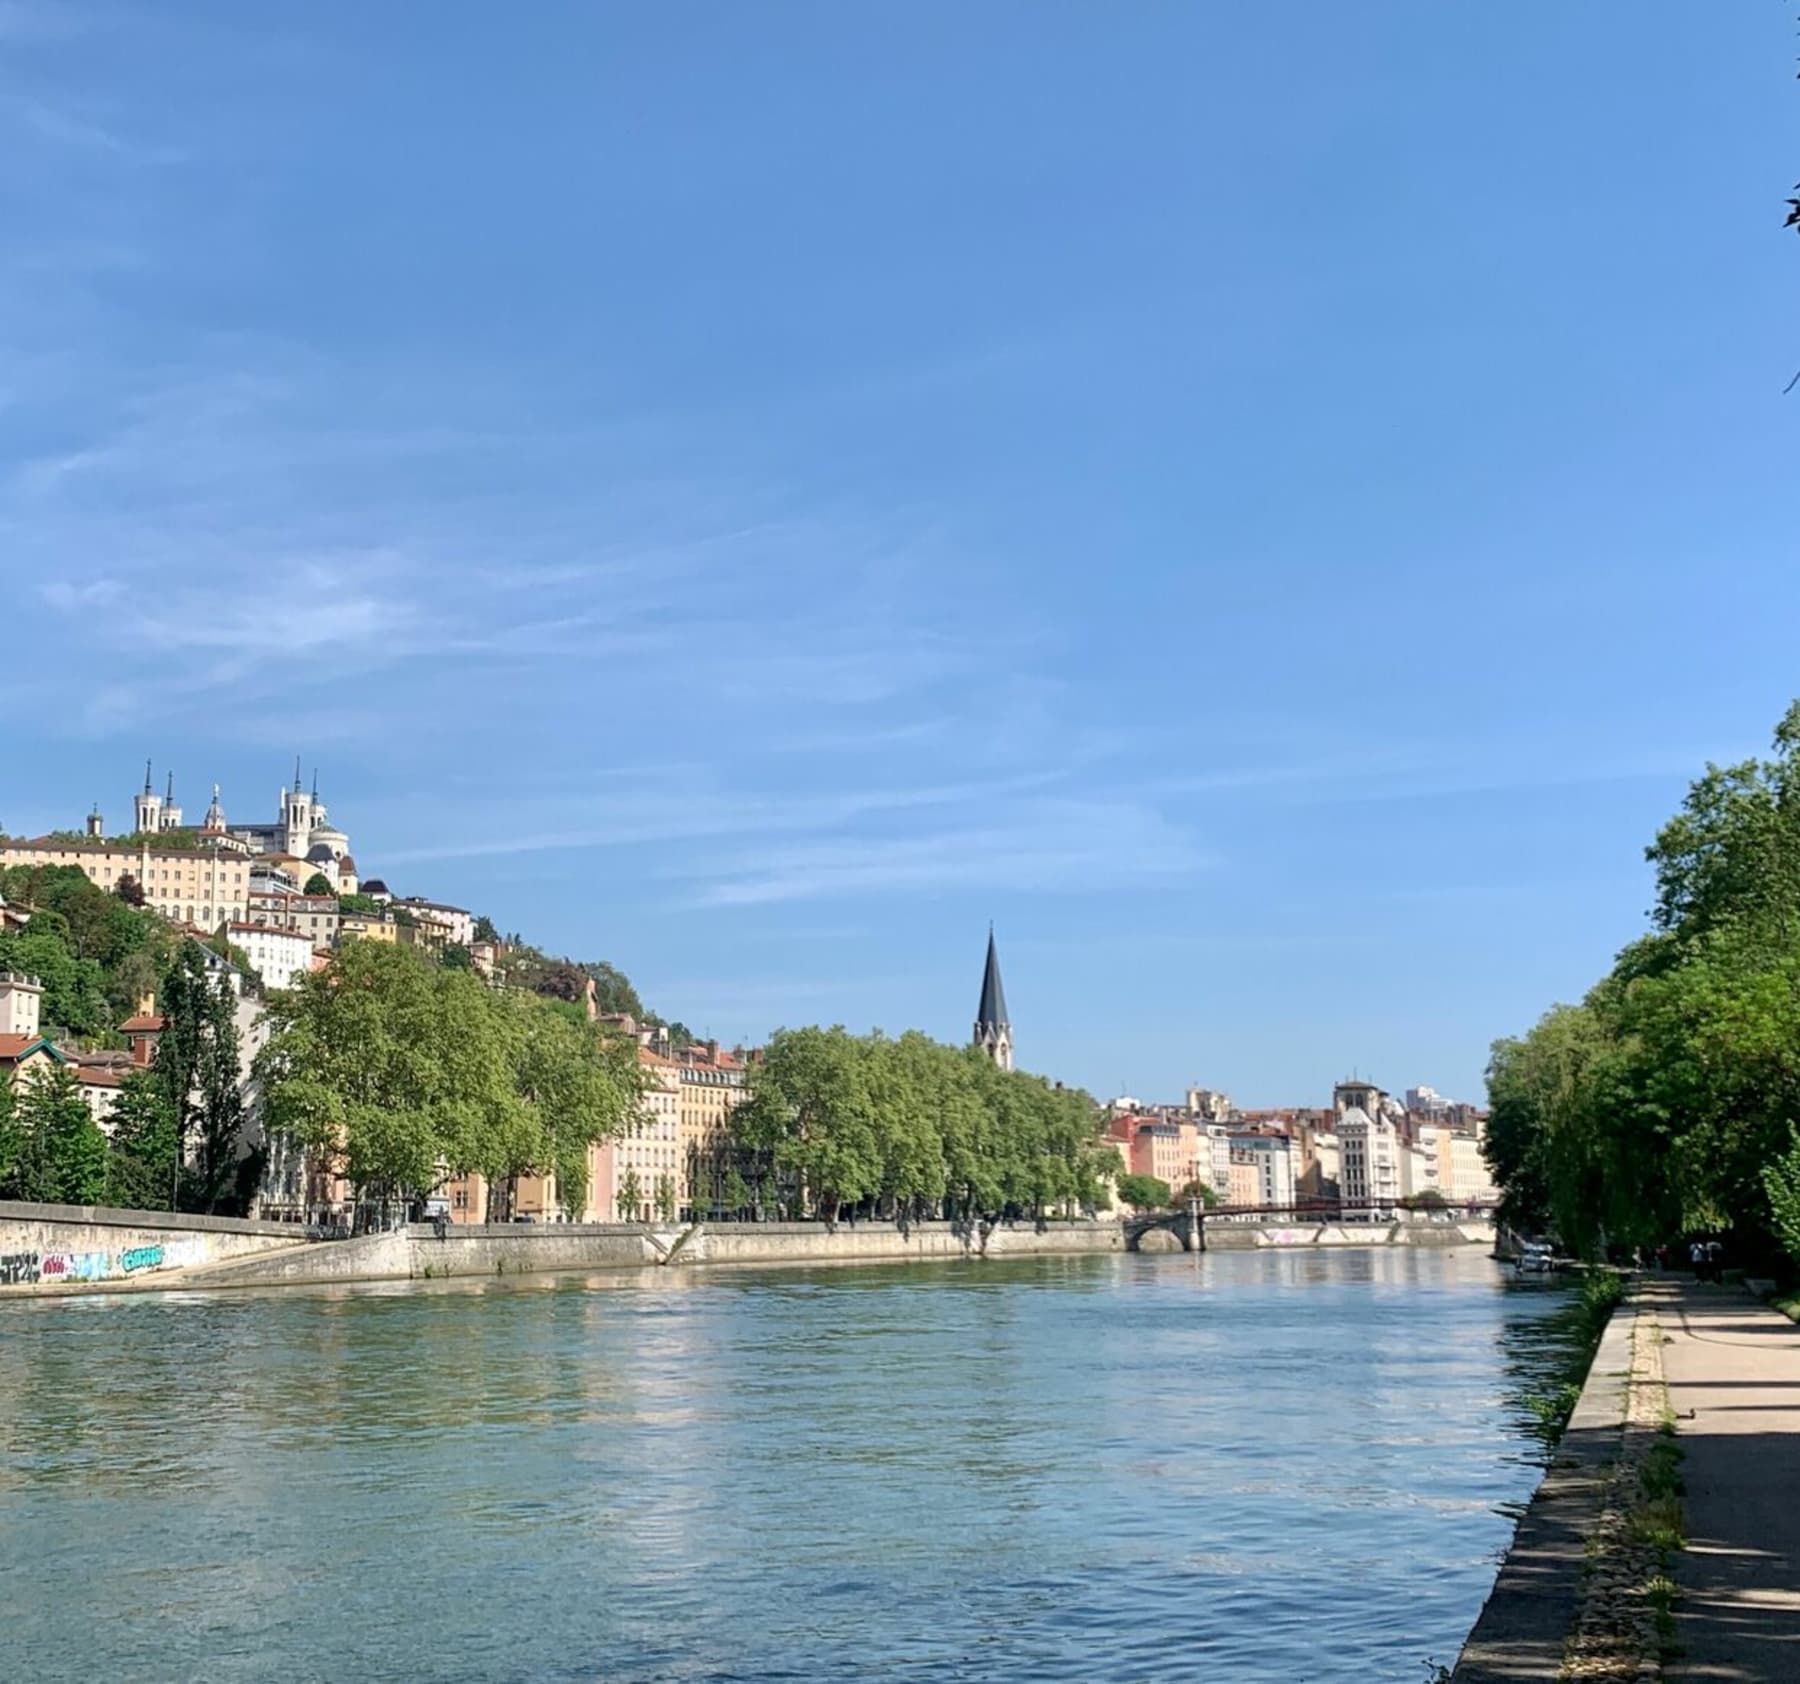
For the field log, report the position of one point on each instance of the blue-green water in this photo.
(1241, 1467)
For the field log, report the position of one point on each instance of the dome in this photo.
(318, 854)
(375, 886)
(347, 864)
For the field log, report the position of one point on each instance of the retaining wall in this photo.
(57, 1245)
(1532, 1610)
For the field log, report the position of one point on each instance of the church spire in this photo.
(147, 788)
(993, 1027)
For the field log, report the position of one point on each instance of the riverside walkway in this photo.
(1733, 1373)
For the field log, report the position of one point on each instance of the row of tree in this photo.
(1664, 1103)
(412, 1073)
(912, 1128)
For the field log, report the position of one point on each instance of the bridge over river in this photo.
(1240, 1227)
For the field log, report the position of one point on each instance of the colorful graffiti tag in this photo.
(58, 1268)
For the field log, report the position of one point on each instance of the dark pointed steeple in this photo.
(147, 789)
(170, 797)
(993, 1027)
(299, 787)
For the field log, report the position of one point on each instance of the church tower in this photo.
(993, 1029)
(147, 808)
(171, 814)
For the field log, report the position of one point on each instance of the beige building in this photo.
(1371, 1150)
(315, 916)
(1470, 1180)
(626, 1175)
(204, 887)
(355, 926)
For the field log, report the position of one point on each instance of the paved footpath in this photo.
(1733, 1370)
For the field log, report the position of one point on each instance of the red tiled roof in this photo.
(98, 1076)
(142, 1026)
(15, 1047)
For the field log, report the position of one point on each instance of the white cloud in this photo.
(1044, 847)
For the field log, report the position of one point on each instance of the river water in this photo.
(1239, 1467)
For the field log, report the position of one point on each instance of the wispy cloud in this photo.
(1045, 847)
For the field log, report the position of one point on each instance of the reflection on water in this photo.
(1244, 1467)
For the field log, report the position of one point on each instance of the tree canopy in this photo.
(911, 1127)
(1145, 1192)
(414, 1073)
(1657, 1104)
(96, 954)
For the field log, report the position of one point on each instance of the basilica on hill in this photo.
(302, 829)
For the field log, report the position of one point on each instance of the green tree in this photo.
(811, 1105)
(485, 931)
(578, 1085)
(415, 1073)
(62, 1157)
(197, 1067)
(1144, 1192)
(456, 957)
(405, 1070)
(1661, 1101)
(11, 1140)
(1781, 1181)
(631, 1196)
(317, 884)
(1196, 1191)
(140, 1165)
(665, 1198)
(734, 1192)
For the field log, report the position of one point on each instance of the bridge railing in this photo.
(1333, 1210)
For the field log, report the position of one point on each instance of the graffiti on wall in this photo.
(28, 1268)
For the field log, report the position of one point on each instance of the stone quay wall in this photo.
(63, 1245)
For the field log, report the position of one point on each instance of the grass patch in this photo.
(1788, 1304)
(1662, 1467)
(1552, 1411)
(1660, 1593)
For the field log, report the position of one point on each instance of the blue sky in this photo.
(1267, 503)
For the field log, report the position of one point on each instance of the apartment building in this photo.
(204, 887)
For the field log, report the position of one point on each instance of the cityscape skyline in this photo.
(1074, 517)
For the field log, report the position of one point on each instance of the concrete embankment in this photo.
(62, 1245)
(1572, 1596)
(419, 1253)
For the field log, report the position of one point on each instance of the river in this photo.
(1239, 1467)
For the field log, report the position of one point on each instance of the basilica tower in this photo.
(993, 1029)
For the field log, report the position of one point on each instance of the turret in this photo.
(146, 809)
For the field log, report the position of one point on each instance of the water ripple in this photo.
(1253, 1467)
